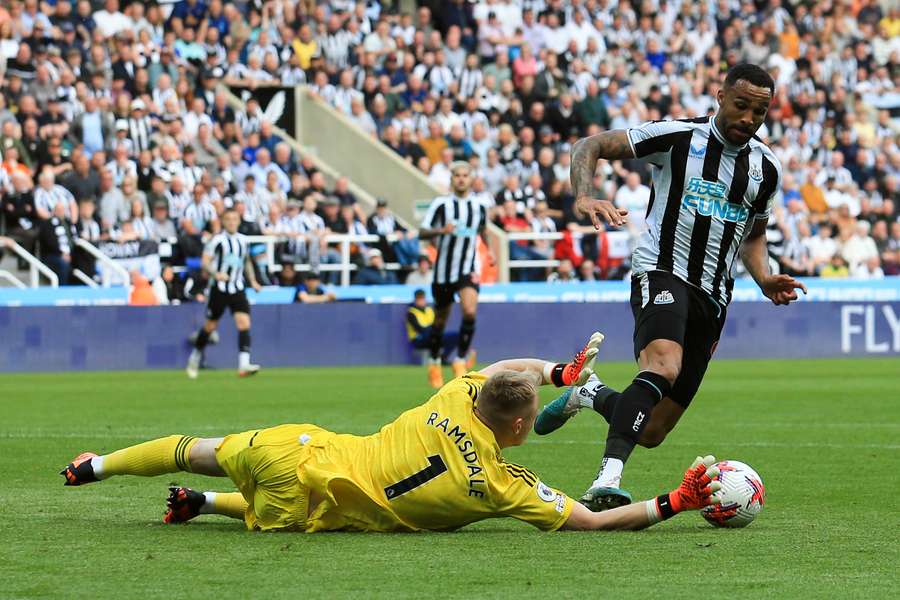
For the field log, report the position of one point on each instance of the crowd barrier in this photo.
(41, 338)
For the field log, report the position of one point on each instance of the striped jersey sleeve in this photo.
(653, 139)
(434, 218)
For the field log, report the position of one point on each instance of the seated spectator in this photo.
(375, 272)
(312, 292)
(423, 274)
(835, 269)
(19, 215)
(871, 269)
(565, 273)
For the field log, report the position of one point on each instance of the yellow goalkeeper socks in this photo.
(164, 455)
(229, 504)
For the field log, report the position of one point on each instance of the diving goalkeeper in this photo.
(436, 467)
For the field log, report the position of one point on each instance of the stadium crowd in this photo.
(112, 128)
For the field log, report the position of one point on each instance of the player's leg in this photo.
(169, 454)
(660, 303)
(443, 302)
(200, 342)
(214, 310)
(468, 302)
(245, 367)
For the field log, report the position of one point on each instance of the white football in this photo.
(743, 496)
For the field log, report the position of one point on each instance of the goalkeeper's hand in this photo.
(581, 367)
(697, 487)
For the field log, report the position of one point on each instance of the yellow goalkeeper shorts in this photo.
(263, 465)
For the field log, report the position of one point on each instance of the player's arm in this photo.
(780, 289)
(206, 262)
(610, 145)
(575, 372)
(250, 273)
(433, 224)
(695, 492)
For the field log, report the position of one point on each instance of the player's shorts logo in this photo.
(664, 297)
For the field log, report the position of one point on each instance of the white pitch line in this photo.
(737, 444)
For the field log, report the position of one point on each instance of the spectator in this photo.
(375, 272)
(57, 238)
(312, 292)
(565, 273)
(423, 274)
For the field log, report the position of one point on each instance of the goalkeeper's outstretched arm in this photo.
(695, 492)
(575, 372)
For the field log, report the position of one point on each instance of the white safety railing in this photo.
(35, 267)
(15, 281)
(110, 267)
(532, 236)
(343, 241)
(83, 278)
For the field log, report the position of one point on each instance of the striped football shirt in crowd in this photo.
(706, 195)
(457, 254)
(228, 253)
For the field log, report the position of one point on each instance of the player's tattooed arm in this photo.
(609, 145)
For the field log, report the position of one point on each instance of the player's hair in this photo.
(505, 396)
(230, 209)
(460, 164)
(750, 73)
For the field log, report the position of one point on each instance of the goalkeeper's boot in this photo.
(471, 359)
(570, 402)
(435, 376)
(248, 370)
(80, 471)
(183, 505)
(598, 499)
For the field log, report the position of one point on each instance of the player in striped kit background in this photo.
(227, 259)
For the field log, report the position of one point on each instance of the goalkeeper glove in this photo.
(580, 369)
(695, 492)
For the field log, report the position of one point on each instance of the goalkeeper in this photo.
(436, 467)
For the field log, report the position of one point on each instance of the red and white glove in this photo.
(695, 492)
(580, 368)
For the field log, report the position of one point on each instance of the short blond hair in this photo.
(506, 395)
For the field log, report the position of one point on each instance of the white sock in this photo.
(97, 466)
(209, 507)
(243, 360)
(588, 392)
(196, 355)
(610, 473)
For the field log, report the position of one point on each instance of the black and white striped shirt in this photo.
(139, 132)
(705, 197)
(228, 253)
(457, 252)
(199, 214)
(45, 199)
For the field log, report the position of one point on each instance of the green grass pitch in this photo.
(824, 435)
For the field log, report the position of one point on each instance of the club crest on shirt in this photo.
(755, 173)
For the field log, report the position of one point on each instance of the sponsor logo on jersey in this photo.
(707, 198)
(664, 297)
(698, 151)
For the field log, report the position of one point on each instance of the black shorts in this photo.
(667, 308)
(219, 301)
(445, 293)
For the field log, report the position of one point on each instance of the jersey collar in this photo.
(486, 431)
(728, 145)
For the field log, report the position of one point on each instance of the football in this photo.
(743, 496)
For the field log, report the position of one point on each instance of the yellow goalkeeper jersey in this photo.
(436, 467)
